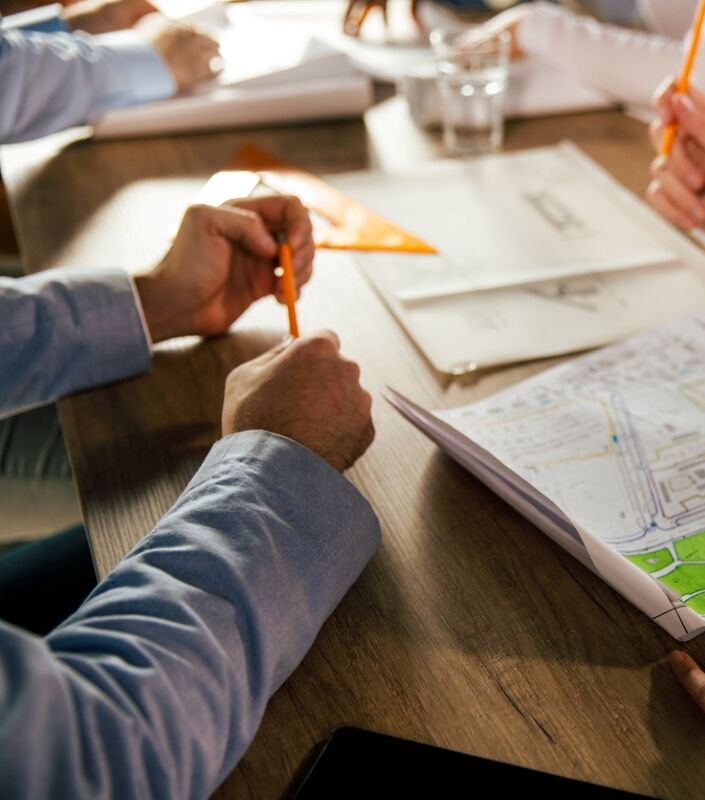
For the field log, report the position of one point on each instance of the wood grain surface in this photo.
(469, 628)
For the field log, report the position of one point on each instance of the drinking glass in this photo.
(471, 73)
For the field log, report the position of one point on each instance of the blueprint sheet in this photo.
(606, 453)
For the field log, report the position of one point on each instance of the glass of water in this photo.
(472, 68)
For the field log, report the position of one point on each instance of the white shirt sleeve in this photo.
(627, 65)
(670, 18)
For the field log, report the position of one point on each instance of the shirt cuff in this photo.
(96, 310)
(144, 71)
(46, 19)
(140, 311)
(338, 531)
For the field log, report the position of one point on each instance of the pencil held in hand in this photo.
(288, 282)
(669, 135)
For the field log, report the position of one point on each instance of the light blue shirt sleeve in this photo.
(156, 686)
(63, 330)
(52, 81)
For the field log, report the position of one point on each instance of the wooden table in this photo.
(469, 628)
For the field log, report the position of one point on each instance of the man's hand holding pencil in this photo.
(224, 259)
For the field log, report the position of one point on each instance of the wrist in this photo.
(155, 307)
(77, 18)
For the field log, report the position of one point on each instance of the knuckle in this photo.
(318, 346)
(352, 369)
(198, 212)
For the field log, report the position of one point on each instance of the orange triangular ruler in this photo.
(351, 225)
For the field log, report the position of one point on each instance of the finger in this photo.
(697, 95)
(200, 70)
(244, 228)
(300, 232)
(206, 46)
(355, 16)
(281, 212)
(303, 258)
(663, 97)
(689, 675)
(690, 117)
(684, 168)
(679, 193)
(302, 277)
(694, 152)
(656, 131)
(368, 435)
(202, 51)
(667, 208)
(285, 213)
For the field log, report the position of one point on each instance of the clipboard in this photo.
(357, 763)
(346, 224)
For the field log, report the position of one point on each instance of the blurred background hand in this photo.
(678, 180)
(190, 54)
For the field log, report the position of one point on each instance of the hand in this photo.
(103, 16)
(357, 12)
(223, 260)
(678, 181)
(509, 21)
(189, 54)
(690, 676)
(306, 391)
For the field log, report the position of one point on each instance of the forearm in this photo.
(627, 65)
(65, 330)
(160, 680)
(51, 81)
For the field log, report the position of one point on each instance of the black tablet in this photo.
(362, 764)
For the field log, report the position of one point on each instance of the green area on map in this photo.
(686, 578)
(654, 561)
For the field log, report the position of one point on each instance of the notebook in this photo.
(271, 74)
(540, 253)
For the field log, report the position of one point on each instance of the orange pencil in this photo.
(288, 283)
(669, 135)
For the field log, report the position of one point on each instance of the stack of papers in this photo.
(272, 73)
(540, 253)
(606, 455)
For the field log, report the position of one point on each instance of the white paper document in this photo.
(271, 74)
(541, 252)
(606, 454)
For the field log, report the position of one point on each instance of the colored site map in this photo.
(616, 440)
